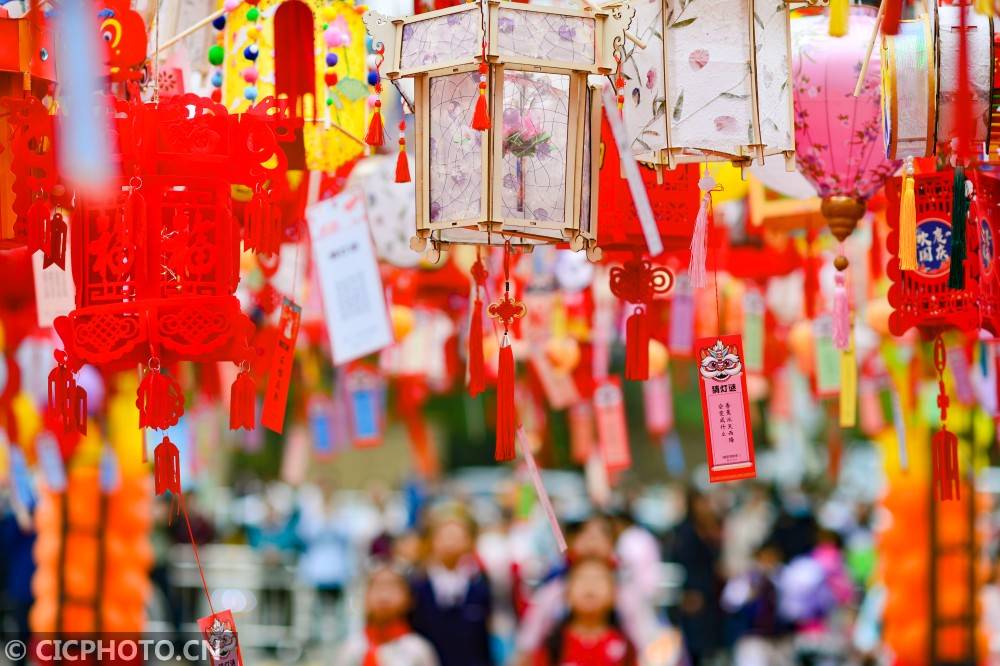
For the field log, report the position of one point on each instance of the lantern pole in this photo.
(871, 45)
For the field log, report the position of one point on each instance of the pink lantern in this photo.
(838, 137)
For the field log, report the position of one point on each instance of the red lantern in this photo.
(922, 297)
(982, 217)
(156, 267)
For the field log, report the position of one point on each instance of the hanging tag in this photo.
(540, 491)
(51, 462)
(559, 387)
(595, 475)
(680, 341)
(958, 363)
(658, 400)
(753, 330)
(673, 454)
(353, 299)
(612, 430)
(983, 380)
(20, 477)
(280, 377)
(781, 394)
(109, 474)
(365, 398)
(870, 408)
(725, 409)
(55, 293)
(848, 387)
(827, 358)
(899, 425)
(223, 641)
(319, 411)
(581, 432)
(295, 456)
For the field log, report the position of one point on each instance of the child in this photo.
(589, 635)
(388, 639)
(452, 598)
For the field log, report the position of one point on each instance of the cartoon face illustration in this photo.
(221, 639)
(986, 245)
(124, 34)
(720, 362)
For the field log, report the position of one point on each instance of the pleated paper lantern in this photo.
(838, 136)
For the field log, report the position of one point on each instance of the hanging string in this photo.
(156, 54)
(194, 549)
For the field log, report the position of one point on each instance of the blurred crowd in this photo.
(422, 578)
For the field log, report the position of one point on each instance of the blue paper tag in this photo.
(51, 463)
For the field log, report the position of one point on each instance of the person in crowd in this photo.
(452, 601)
(589, 633)
(696, 548)
(744, 530)
(327, 562)
(274, 533)
(388, 639)
(752, 597)
(17, 565)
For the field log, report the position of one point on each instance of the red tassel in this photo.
(637, 346)
(506, 416)
(841, 313)
(944, 446)
(167, 467)
(294, 60)
(160, 401)
(243, 403)
(402, 165)
(374, 136)
(891, 17)
(481, 116)
(875, 267)
(68, 400)
(962, 130)
(477, 364)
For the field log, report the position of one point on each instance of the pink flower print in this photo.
(726, 124)
(650, 79)
(698, 59)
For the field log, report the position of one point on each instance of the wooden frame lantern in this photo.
(710, 81)
(531, 176)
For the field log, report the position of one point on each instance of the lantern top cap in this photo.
(501, 32)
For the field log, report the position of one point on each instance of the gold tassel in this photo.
(839, 11)
(908, 221)
(848, 387)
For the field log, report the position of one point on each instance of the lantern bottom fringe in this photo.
(477, 366)
(481, 117)
(637, 346)
(402, 168)
(375, 130)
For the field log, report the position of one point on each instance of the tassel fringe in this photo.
(477, 364)
(637, 346)
(959, 220)
(839, 13)
(506, 415)
(699, 248)
(908, 224)
(841, 313)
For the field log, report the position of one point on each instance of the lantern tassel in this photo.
(959, 219)
(506, 416)
(402, 164)
(841, 313)
(477, 364)
(848, 387)
(944, 445)
(891, 16)
(375, 130)
(481, 115)
(839, 12)
(908, 222)
(637, 345)
(242, 402)
(875, 267)
(699, 247)
(167, 468)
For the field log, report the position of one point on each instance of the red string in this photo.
(194, 549)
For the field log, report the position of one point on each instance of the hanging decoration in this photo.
(531, 177)
(836, 133)
(124, 34)
(711, 84)
(638, 282)
(922, 297)
(312, 51)
(944, 443)
(725, 406)
(506, 310)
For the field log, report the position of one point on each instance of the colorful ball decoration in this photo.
(838, 137)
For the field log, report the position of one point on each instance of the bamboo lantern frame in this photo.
(453, 65)
(669, 149)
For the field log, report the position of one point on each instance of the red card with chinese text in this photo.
(276, 396)
(219, 631)
(725, 408)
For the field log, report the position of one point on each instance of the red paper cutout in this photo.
(167, 468)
